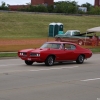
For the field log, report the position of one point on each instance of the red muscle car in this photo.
(51, 52)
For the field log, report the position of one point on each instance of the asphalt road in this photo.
(68, 81)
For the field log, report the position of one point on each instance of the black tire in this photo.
(80, 59)
(80, 42)
(27, 62)
(49, 61)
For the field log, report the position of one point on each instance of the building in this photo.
(17, 7)
(33, 2)
(97, 3)
(83, 9)
(45, 2)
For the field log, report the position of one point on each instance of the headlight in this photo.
(38, 55)
(22, 53)
(34, 54)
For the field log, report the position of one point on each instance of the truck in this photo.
(75, 36)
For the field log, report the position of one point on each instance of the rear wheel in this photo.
(27, 62)
(49, 61)
(80, 59)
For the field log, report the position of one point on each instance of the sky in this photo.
(18, 2)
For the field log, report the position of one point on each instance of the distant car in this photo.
(74, 36)
(51, 52)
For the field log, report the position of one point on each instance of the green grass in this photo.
(96, 50)
(28, 25)
(8, 55)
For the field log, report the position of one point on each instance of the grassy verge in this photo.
(8, 55)
(95, 50)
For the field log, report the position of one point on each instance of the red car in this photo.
(51, 52)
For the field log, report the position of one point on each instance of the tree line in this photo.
(66, 7)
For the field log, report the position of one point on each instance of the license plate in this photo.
(29, 59)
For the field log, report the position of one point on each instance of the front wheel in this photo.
(27, 62)
(80, 59)
(49, 61)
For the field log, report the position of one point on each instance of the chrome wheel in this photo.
(49, 61)
(80, 59)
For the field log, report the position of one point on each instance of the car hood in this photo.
(34, 50)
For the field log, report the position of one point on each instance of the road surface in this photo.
(68, 81)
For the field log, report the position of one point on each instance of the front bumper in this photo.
(34, 59)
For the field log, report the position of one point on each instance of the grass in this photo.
(28, 25)
(8, 55)
(95, 50)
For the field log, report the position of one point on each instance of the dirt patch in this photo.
(7, 45)
(4, 42)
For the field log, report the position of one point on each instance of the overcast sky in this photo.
(18, 2)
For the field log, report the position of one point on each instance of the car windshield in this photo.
(51, 45)
(68, 33)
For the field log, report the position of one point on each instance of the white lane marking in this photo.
(44, 69)
(11, 65)
(53, 68)
(91, 79)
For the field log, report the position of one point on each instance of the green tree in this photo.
(66, 7)
(95, 10)
(88, 5)
(3, 6)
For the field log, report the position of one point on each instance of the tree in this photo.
(95, 10)
(66, 7)
(88, 5)
(3, 6)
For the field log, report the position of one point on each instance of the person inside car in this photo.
(94, 40)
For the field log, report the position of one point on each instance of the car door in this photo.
(69, 52)
(58, 51)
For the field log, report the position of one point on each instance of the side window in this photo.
(73, 47)
(68, 33)
(69, 47)
(76, 33)
(55, 46)
(66, 46)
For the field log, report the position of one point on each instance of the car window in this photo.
(68, 33)
(55, 46)
(51, 45)
(76, 33)
(73, 47)
(69, 47)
